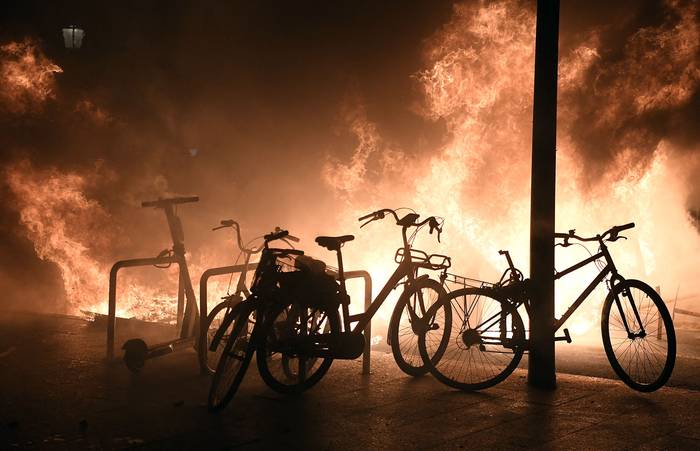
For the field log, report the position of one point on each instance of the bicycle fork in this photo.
(631, 335)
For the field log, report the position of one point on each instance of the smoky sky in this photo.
(259, 89)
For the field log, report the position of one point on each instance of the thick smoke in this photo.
(639, 90)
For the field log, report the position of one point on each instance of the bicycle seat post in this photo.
(341, 271)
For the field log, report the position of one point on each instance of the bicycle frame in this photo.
(609, 269)
(407, 268)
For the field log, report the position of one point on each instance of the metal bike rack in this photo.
(368, 329)
(203, 309)
(187, 326)
(202, 349)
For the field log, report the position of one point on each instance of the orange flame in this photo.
(78, 235)
(479, 81)
(27, 77)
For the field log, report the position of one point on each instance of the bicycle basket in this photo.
(274, 263)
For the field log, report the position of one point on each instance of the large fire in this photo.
(477, 79)
(77, 234)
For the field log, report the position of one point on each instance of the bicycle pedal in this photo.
(566, 337)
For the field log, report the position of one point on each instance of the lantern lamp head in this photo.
(73, 37)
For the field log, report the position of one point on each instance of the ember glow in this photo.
(476, 82)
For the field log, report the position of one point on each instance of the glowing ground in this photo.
(57, 392)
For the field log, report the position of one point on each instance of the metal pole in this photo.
(541, 371)
(659, 320)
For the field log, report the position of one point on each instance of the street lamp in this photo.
(73, 37)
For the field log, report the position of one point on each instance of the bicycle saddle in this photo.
(333, 243)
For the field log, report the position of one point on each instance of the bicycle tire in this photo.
(235, 358)
(277, 368)
(641, 354)
(212, 357)
(476, 358)
(403, 334)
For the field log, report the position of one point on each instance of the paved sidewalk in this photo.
(57, 393)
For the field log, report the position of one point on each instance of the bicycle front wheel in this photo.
(285, 354)
(486, 339)
(406, 323)
(220, 316)
(235, 357)
(638, 335)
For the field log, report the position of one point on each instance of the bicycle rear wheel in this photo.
(486, 340)
(281, 360)
(406, 323)
(235, 357)
(643, 353)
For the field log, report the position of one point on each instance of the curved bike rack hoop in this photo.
(204, 310)
(112, 315)
(368, 301)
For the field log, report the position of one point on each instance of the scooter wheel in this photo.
(135, 351)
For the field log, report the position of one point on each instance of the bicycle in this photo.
(217, 335)
(418, 294)
(488, 338)
(306, 328)
(244, 319)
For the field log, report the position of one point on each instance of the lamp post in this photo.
(73, 37)
(541, 370)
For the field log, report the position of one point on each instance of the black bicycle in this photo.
(306, 339)
(488, 338)
(216, 335)
(291, 321)
(243, 319)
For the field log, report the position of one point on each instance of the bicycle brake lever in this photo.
(219, 227)
(365, 223)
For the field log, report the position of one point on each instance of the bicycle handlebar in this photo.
(404, 222)
(162, 203)
(379, 214)
(231, 223)
(276, 235)
(612, 234)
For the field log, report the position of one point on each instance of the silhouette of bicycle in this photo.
(216, 335)
(487, 337)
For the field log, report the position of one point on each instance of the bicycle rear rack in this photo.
(464, 282)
